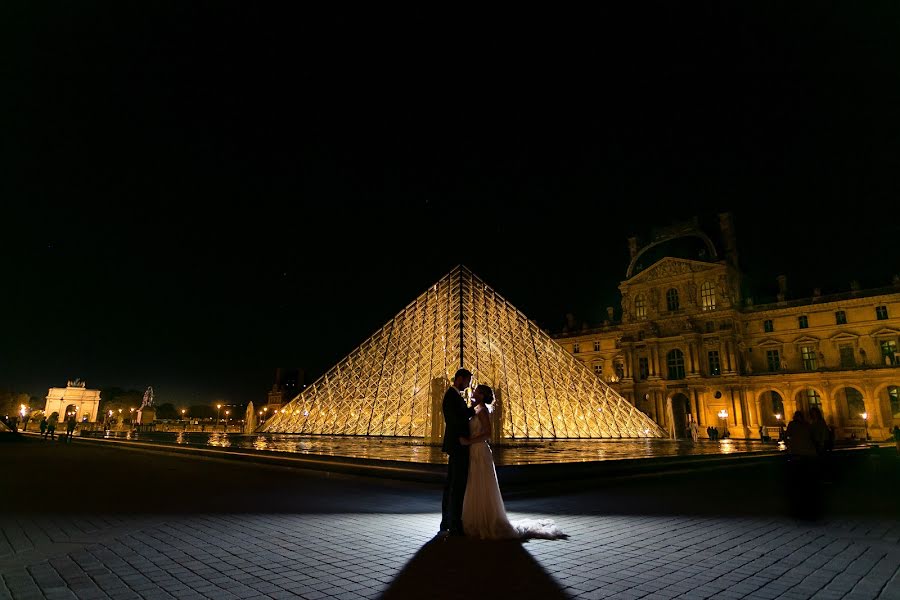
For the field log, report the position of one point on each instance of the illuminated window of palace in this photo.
(675, 362)
(708, 296)
(809, 356)
(640, 309)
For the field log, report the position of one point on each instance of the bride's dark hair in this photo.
(487, 391)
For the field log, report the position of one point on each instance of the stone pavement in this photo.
(112, 523)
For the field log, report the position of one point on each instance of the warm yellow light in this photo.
(120, 411)
(778, 416)
(723, 414)
(865, 416)
(218, 406)
(182, 411)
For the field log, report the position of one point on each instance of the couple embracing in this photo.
(472, 505)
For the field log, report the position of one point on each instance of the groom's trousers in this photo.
(455, 490)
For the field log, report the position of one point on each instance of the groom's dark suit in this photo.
(456, 421)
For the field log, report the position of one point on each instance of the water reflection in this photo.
(415, 450)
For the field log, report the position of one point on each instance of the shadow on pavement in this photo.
(457, 567)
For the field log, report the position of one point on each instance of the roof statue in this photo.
(388, 385)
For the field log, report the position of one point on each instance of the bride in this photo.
(483, 513)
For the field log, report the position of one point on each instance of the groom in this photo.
(456, 425)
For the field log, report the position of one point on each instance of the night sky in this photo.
(194, 194)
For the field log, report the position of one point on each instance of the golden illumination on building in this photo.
(393, 383)
(690, 347)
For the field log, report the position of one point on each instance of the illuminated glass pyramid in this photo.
(392, 384)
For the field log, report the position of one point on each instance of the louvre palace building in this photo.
(690, 347)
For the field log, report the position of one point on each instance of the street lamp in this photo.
(780, 427)
(227, 412)
(723, 414)
(865, 418)
(218, 407)
(182, 414)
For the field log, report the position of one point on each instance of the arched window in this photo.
(777, 405)
(640, 309)
(708, 296)
(894, 396)
(672, 300)
(675, 361)
(855, 405)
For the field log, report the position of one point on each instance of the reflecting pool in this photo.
(415, 450)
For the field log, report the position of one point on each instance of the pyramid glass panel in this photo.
(393, 383)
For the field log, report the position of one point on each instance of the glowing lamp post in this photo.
(218, 408)
(182, 414)
(865, 418)
(723, 414)
(227, 412)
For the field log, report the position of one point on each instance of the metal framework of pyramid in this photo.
(391, 385)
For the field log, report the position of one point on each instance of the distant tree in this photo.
(166, 411)
(202, 411)
(11, 401)
(115, 398)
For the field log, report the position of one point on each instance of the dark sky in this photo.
(196, 193)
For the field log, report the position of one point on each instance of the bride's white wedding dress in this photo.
(484, 515)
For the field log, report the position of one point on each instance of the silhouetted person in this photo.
(802, 486)
(70, 427)
(818, 430)
(821, 435)
(51, 426)
(43, 427)
(456, 421)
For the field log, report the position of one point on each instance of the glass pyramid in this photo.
(393, 383)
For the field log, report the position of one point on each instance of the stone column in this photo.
(699, 416)
(728, 351)
(660, 410)
(876, 421)
(758, 408)
(692, 357)
(660, 361)
(752, 411)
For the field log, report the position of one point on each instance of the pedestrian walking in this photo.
(51, 425)
(43, 427)
(70, 428)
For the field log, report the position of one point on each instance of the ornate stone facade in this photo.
(75, 396)
(688, 347)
